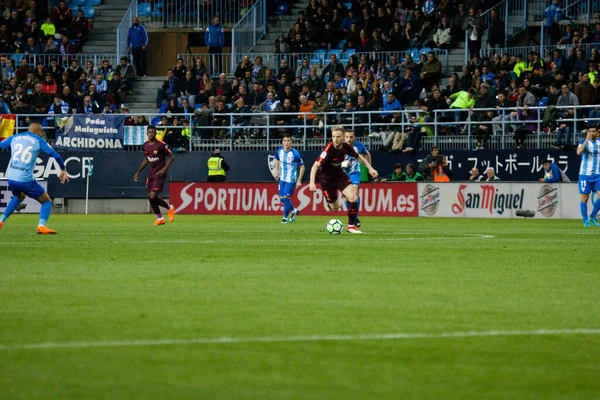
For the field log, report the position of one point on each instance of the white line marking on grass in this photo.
(287, 339)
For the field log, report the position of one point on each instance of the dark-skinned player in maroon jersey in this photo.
(155, 153)
(333, 178)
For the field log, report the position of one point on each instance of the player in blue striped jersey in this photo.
(351, 166)
(289, 169)
(25, 148)
(589, 174)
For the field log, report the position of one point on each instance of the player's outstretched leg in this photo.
(595, 211)
(584, 210)
(357, 209)
(10, 208)
(170, 207)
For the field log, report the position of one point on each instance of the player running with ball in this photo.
(155, 153)
(333, 178)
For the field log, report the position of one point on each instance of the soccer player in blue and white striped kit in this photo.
(289, 169)
(351, 165)
(589, 174)
(25, 148)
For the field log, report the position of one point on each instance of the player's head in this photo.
(349, 136)
(151, 133)
(546, 164)
(287, 142)
(593, 131)
(398, 168)
(337, 135)
(36, 128)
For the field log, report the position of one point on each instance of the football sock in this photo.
(357, 206)
(45, 212)
(287, 205)
(10, 208)
(596, 208)
(159, 215)
(583, 208)
(161, 202)
(154, 206)
(352, 211)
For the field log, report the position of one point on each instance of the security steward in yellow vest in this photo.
(217, 167)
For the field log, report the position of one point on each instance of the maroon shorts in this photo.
(155, 184)
(330, 189)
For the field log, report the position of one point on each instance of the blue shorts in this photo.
(588, 184)
(286, 189)
(355, 178)
(31, 189)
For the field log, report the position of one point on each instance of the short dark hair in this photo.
(288, 135)
(398, 165)
(151, 127)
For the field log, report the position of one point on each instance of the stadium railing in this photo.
(64, 60)
(196, 14)
(543, 50)
(316, 59)
(251, 27)
(259, 131)
(123, 28)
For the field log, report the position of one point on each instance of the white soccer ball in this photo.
(335, 226)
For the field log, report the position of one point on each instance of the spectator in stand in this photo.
(204, 89)
(496, 35)
(50, 47)
(553, 14)
(222, 88)
(586, 93)
(40, 101)
(473, 24)
(97, 98)
(173, 107)
(49, 85)
(81, 84)
(396, 176)
(442, 37)
(525, 100)
(431, 71)
(74, 71)
(179, 69)
(462, 100)
(315, 83)
(66, 49)
(169, 88)
(80, 29)
(364, 44)
(62, 16)
(32, 47)
(484, 131)
(189, 88)
(319, 108)
(409, 88)
(256, 96)
(137, 40)
(565, 128)
(282, 45)
(389, 116)
(332, 68)
(5, 40)
(214, 39)
(101, 84)
(70, 98)
(199, 69)
(428, 163)
(48, 28)
(552, 173)
(305, 112)
(242, 67)
(23, 70)
(348, 21)
(490, 175)
(258, 69)
(285, 69)
(117, 88)
(127, 73)
(474, 175)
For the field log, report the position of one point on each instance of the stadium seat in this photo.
(349, 52)
(74, 10)
(144, 9)
(337, 52)
(155, 121)
(93, 2)
(543, 102)
(425, 50)
(281, 7)
(163, 108)
(341, 44)
(348, 5)
(77, 3)
(158, 9)
(198, 106)
(318, 56)
(88, 11)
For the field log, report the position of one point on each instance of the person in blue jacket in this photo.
(551, 172)
(137, 40)
(214, 39)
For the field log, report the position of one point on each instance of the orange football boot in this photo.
(171, 213)
(42, 230)
(159, 222)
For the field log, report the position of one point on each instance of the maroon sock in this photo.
(161, 202)
(352, 212)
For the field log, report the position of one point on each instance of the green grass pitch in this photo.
(114, 307)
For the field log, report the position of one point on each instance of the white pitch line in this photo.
(287, 339)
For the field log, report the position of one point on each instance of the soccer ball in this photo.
(335, 226)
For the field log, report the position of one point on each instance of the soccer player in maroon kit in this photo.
(155, 153)
(333, 178)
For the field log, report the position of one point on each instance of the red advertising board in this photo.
(377, 199)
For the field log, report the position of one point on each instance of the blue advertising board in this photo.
(114, 170)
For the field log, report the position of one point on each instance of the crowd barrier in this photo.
(452, 200)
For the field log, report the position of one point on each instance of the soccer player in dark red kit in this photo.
(333, 178)
(155, 154)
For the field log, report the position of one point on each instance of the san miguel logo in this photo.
(490, 198)
(430, 199)
(547, 201)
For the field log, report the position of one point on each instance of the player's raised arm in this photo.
(313, 176)
(367, 164)
(581, 148)
(136, 177)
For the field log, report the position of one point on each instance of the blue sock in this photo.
(45, 212)
(596, 208)
(583, 208)
(358, 206)
(286, 207)
(10, 208)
